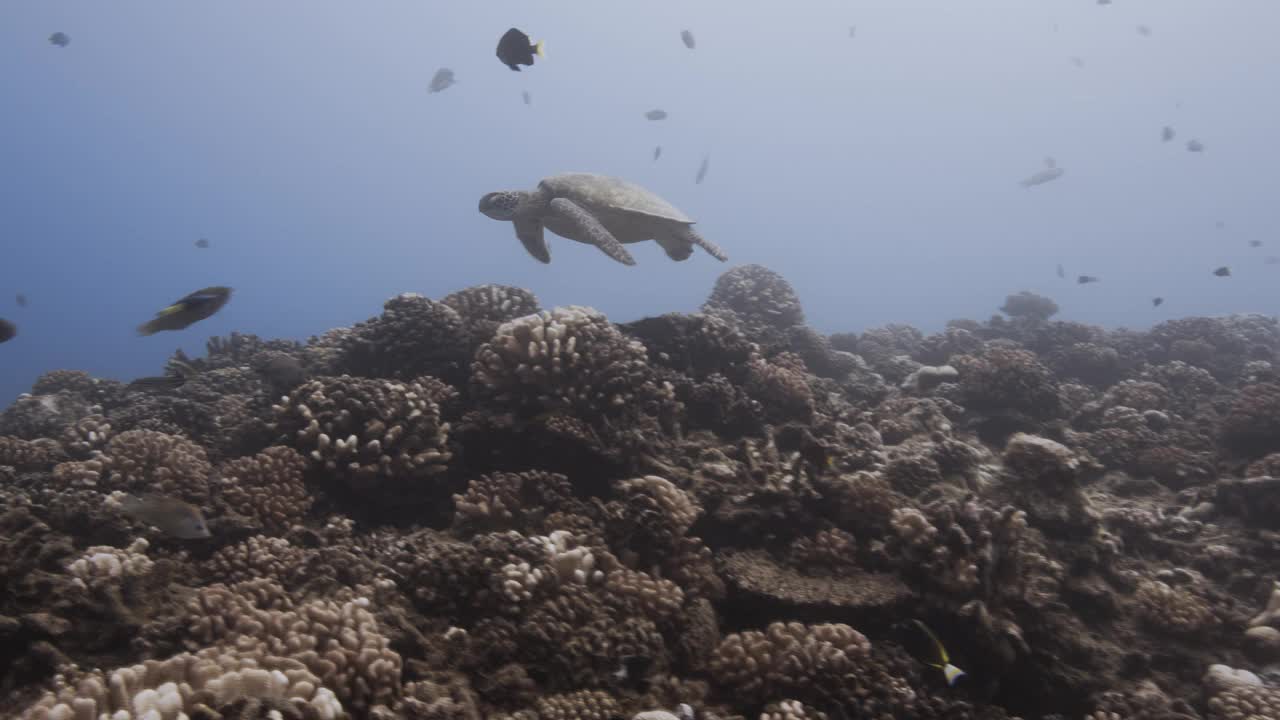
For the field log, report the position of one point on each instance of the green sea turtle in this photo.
(598, 210)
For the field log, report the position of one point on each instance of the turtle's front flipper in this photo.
(587, 227)
(690, 235)
(530, 234)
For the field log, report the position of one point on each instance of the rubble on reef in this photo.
(479, 508)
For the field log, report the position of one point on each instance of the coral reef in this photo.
(474, 508)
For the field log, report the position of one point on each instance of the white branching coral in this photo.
(104, 565)
(571, 562)
(569, 358)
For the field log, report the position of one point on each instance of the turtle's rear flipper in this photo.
(530, 234)
(688, 234)
(586, 227)
(677, 248)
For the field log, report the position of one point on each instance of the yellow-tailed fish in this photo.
(188, 310)
(949, 671)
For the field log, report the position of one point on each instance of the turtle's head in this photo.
(502, 205)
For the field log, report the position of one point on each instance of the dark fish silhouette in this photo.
(1195, 146)
(1086, 279)
(60, 39)
(1077, 61)
(1157, 302)
(189, 310)
(8, 331)
(657, 152)
(702, 170)
(514, 49)
(1272, 260)
(442, 80)
(1050, 172)
(687, 38)
(853, 31)
(1167, 133)
(1255, 243)
(202, 243)
(21, 300)
(528, 99)
(656, 114)
(1223, 271)
(1061, 273)
(1144, 31)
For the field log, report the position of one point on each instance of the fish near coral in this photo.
(188, 310)
(172, 516)
(8, 331)
(942, 661)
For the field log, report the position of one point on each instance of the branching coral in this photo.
(758, 295)
(1252, 424)
(368, 431)
(787, 658)
(698, 345)
(484, 307)
(413, 336)
(144, 461)
(267, 487)
(566, 359)
(1001, 379)
(1030, 306)
(180, 685)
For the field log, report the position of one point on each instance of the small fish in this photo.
(157, 382)
(1061, 273)
(1195, 146)
(528, 99)
(442, 80)
(190, 309)
(1255, 243)
(8, 331)
(1167, 133)
(1223, 271)
(687, 38)
(1144, 31)
(853, 31)
(1077, 61)
(60, 39)
(1272, 260)
(702, 170)
(1157, 301)
(514, 49)
(943, 662)
(172, 516)
(21, 300)
(656, 114)
(657, 152)
(1219, 224)
(202, 243)
(1104, 2)
(1086, 279)
(1051, 172)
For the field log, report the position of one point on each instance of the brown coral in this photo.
(267, 487)
(365, 430)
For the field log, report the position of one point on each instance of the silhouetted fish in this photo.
(202, 243)
(1157, 302)
(702, 170)
(1144, 31)
(1167, 133)
(514, 49)
(21, 300)
(1255, 243)
(528, 99)
(1077, 61)
(1223, 271)
(60, 39)
(687, 38)
(656, 114)
(657, 152)
(1086, 279)
(8, 331)
(1050, 172)
(1195, 146)
(853, 31)
(442, 80)
(1061, 273)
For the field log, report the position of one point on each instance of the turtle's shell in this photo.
(606, 197)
